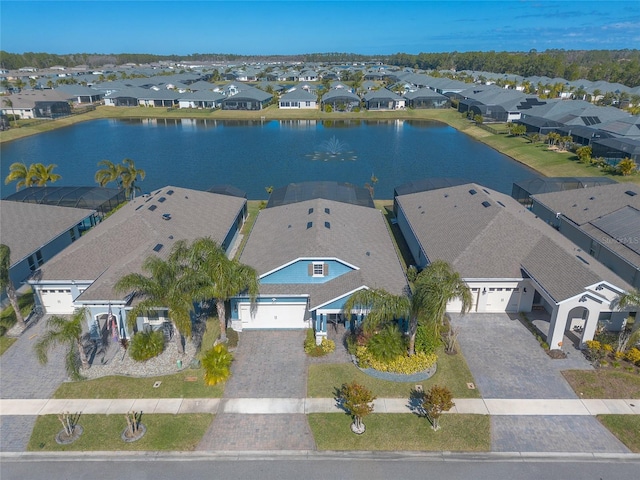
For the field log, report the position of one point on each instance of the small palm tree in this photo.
(627, 166)
(169, 286)
(217, 364)
(129, 176)
(219, 277)
(110, 172)
(44, 174)
(6, 283)
(63, 331)
(20, 173)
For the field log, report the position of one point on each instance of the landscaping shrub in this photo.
(387, 344)
(426, 340)
(217, 364)
(232, 338)
(633, 356)
(402, 364)
(326, 346)
(146, 345)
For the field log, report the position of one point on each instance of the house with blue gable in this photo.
(314, 245)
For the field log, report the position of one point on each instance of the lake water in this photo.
(255, 155)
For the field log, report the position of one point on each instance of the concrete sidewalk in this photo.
(262, 406)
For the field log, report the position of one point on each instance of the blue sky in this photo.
(292, 27)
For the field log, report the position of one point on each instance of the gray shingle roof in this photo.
(499, 240)
(357, 235)
(26, 227)
(120, 244)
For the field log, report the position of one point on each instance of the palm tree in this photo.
(7, 101)
(220, 277)
(20, 173)
(109, 173)
(627, 166)
(63, 331)
(44, 174)
(128, 177)
(433, 288)
(170, 286)
(6, 283)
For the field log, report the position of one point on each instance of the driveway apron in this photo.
(507, 362)
(22, 376)
(268, 364)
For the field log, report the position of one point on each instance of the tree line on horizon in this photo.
(621, 66)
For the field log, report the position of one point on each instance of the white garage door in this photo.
(57, 301)
(274, 316)
(502, 300)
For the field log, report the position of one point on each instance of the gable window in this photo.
(318, 269)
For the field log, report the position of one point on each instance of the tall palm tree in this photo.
(170, 286)
(110, 172)
(6, 283)
(63, 331)
(44, 174)
(129, 176)
(220, 278)
(20, 173)
(433, 288)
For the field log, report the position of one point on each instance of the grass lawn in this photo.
(604, 383)
(102, 432)
(185, 384)
(625, 427)
(5, 343)
(323, 380)
(402, 431)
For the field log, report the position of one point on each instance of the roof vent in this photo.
(166, 216)
(153, 207)
(161, 199)
(169, 192)
(486, 204)
(472, 191)
(592, 198)
(158, 247)
(486, 191)
(501, 204)
(327, 225)
(631, 193)
(310, 211)
(309, 225)
(327, 211)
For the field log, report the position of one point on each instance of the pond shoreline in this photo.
(544, 163)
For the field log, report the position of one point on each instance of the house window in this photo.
(318, 269)
(39, 258)
(72, 234)
(32, 265)
(307, 104)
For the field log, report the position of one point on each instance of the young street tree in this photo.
(63, 331)
(437, 400)
(357, 400)
(6, 283)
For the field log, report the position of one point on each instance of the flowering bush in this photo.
(402, 364)
(326, 346)
(633, 355)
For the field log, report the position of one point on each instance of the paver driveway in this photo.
(507, 362)
(268, 364)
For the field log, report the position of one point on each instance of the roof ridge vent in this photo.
(166, 216)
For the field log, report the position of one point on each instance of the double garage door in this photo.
(266, 316)
(57, 301)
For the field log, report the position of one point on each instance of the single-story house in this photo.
(340, 99)
(37, 104)
(383, 99)
(603, 221)
(36, 233)
(511, 261)
(247, 99)
(426, 98)
(314, 246)
(81, 94)
(84, 274)
(298, 99)
(200, 99)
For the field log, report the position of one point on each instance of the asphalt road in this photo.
(312, 466)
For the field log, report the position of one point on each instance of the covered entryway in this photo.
(276, 315)
(57, 301)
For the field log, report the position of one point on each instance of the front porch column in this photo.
(591, 324)
(557, 326)
(321, 327)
